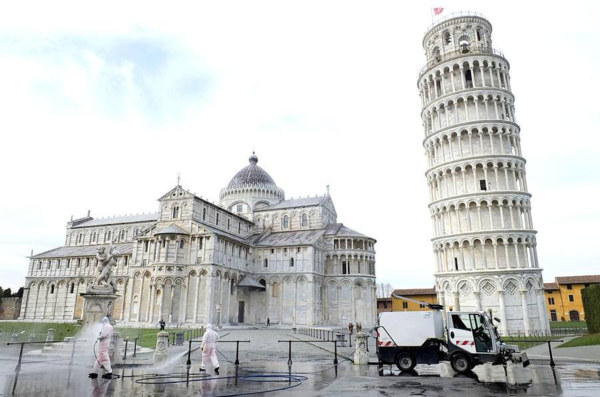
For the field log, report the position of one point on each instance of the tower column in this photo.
(525, 312)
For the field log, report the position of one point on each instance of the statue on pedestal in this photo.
(102, 283)
(100, 295)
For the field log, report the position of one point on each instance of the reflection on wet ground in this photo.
(264, 368)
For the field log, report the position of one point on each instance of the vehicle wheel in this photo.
(405, 361)
(460, 363)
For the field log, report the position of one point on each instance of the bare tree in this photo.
(384, 290)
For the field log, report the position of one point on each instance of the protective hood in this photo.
(105, 321)
(209, 327)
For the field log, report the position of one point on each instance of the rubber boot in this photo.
(217, 370)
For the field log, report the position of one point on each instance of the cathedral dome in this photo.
(251, 188)
(251, 175)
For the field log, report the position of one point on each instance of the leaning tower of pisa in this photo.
(484, 241)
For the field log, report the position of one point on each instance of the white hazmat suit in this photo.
(102, 359)
(209, 349)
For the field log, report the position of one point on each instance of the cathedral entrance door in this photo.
(241, 307)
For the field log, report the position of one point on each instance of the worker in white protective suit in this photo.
(102, 359)
(209, 349)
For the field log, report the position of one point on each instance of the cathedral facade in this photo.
(254, 256)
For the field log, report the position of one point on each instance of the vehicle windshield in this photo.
(489, 321)
(481, 332)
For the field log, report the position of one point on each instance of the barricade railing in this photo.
(18, 367)
(327, 335)
(237, 349)
(289, 342)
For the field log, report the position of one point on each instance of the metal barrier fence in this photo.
(289, 342)
(237, 349)
(18, 367)
(331, 335)
(569, 331)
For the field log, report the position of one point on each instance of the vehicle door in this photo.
(460, 332)
(481, 334)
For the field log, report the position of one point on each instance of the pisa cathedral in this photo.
(253, 256)
(484, 242)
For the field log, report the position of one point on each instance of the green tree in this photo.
(591, 307)
(7, 293)
(19, 293)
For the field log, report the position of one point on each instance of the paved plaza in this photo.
(263, 370)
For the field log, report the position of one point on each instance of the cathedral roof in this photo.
(250, 282)
(172, 229)
(339, 229)
(118, 220)
(296, 203)
(83, 250)
(279, 239)
(252, 174)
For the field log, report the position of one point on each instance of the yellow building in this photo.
(427, 295)
(384, 305)
(563, 297)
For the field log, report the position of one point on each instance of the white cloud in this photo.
(103, 105)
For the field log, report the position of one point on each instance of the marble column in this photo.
(541, 308)
(525, 312)
(477, 300)
(503, 323)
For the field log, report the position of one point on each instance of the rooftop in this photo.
(252, 174)
(414, 291)
(117, 220)
(172, 229)
(339, 229)
(296, 203)
(590, 279)
(279, 239)
(83, 250)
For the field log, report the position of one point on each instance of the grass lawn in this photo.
(586, 340)
(525, 342)
(40, 330)
(568, 324)
(147, 335)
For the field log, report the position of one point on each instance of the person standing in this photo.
(209, 349)
(350, 328)
(162, 324)
(268, 322)
(102, 359)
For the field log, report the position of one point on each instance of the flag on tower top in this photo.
(438, 10)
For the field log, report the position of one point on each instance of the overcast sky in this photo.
(100, 108)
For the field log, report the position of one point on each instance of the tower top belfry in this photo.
(484, 243)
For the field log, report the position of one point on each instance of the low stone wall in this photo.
(10, 308)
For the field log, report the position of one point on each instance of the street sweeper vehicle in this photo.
(469, 339)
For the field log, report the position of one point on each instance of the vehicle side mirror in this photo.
(497, 319)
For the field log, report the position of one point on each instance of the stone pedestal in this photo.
(97, 305)
(14, 338)
(161, 353)
(31, 338)
(114, 348)
(361, 356)
(49, 337)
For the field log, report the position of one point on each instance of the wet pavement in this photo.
(263, 370)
